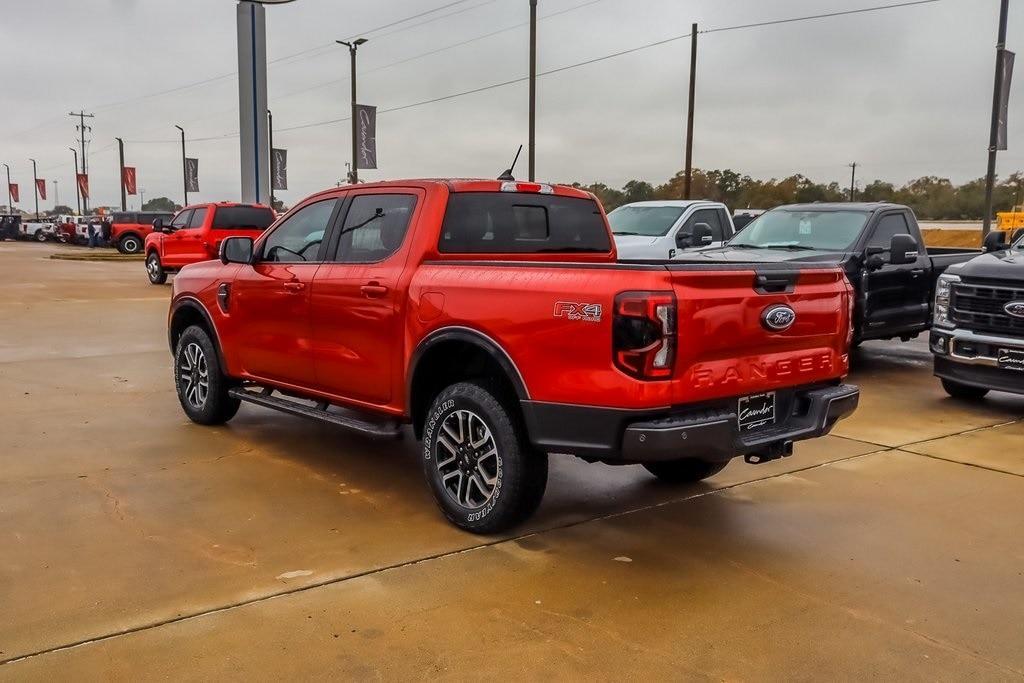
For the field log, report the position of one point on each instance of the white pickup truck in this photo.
(662, 230)
(39, 231)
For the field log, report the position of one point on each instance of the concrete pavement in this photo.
(139, 546)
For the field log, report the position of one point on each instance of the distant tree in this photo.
(161, 204)
(60, 209)
(637, 191)
(876, 191)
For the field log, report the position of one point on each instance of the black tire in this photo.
(155, 269)
(495, 457)
(40, 236)
(964, 391)
(685, 470)
(215, 406)
(129, 244)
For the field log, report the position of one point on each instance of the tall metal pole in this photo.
(56, 194)
(990, 177)
(78, 191)
(82, 116)
(184, 165)
(120, 151)
(353, 46)
(270, 164)
(533, 92)
(10, 201)
(35, 187)
(853, 181)
(688, 174)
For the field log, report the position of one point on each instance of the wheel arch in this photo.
(454, 354)
(188, 311)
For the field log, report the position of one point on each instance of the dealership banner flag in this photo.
(128, 178)
(366, 136)
(13, 189)
(279, 169)
(1004, 97)
(192, 175)
(41, 188)
(83, 185)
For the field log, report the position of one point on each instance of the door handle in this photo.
(294, 287)
(917, 272)
(373, 290)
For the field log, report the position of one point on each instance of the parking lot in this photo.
(277, 547)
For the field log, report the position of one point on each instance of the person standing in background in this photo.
(93, 232)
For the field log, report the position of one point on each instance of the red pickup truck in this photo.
(493, 317)
(195, 234)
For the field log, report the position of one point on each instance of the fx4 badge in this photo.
(573, 310)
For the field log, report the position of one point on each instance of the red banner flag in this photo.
(128, 178)
(83, 185)
(13, 188)
(41, 188)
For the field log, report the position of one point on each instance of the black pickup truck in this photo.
(978, 333)
(878, 245)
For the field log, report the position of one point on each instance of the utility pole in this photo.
(993, 138)
(353, 47)
(142, 199)
(533, 92)
(78, 191)
(688, 174)
(10, 201)
(853, 181)
(35, 186)
(56, 194)
(270, 144)
(184, 165)
(120, 150)
(82, 128)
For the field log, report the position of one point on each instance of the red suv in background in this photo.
(128, 229)
(195, 234)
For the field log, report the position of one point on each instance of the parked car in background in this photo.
(878, 245)
(741, 218)
(194, 234)
(38, 230)
(659, 230)
(493, 317)
(978, 332)
(10, 226)
(128, 229)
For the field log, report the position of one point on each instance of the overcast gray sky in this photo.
(904, 92)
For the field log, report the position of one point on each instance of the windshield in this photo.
(650, 221)
(782, 228)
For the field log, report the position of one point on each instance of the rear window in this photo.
(245, 217)
(517, 223)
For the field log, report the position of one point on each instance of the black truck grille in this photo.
(981, 308)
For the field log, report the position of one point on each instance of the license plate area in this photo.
(1011, 359)
(755, 412)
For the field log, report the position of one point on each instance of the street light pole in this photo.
(688, 174)
(533, 92)
(993, 138)
(35, 186)
(56, 194)
(184, 165)
(120, 149)
(78, 191)
(270, 144)
(353, 47)
(853, 181)
(10, 201)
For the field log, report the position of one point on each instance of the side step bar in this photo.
(319, 412)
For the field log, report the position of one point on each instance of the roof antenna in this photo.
(507, 175)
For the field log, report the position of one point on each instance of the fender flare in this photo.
(195, 304)
(469, 336)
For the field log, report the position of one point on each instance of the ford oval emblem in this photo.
(778, 318)
(1015, 308)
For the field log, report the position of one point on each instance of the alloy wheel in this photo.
(194, 375)
(467, 459)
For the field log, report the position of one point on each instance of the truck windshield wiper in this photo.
(630, 234)
(802, 247)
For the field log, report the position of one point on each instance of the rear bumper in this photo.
(709, 431)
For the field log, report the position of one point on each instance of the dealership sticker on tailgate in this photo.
(756, 411)
(1011, 359)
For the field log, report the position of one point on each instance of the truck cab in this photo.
(128, 229)
(194, 234)
(977, 337)
(663, 230)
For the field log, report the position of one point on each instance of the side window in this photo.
(374, 227)
(723, 219)
(198, 218)
(709, 216)
(181, 220)
(298, 239)
(889, 225)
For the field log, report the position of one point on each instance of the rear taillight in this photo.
(644, 334)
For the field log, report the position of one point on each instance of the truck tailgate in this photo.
(726, 347)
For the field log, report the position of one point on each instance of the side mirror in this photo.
(995, 241)
(236, 250)
(700, 237)
(903, 250)
(158, 225)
